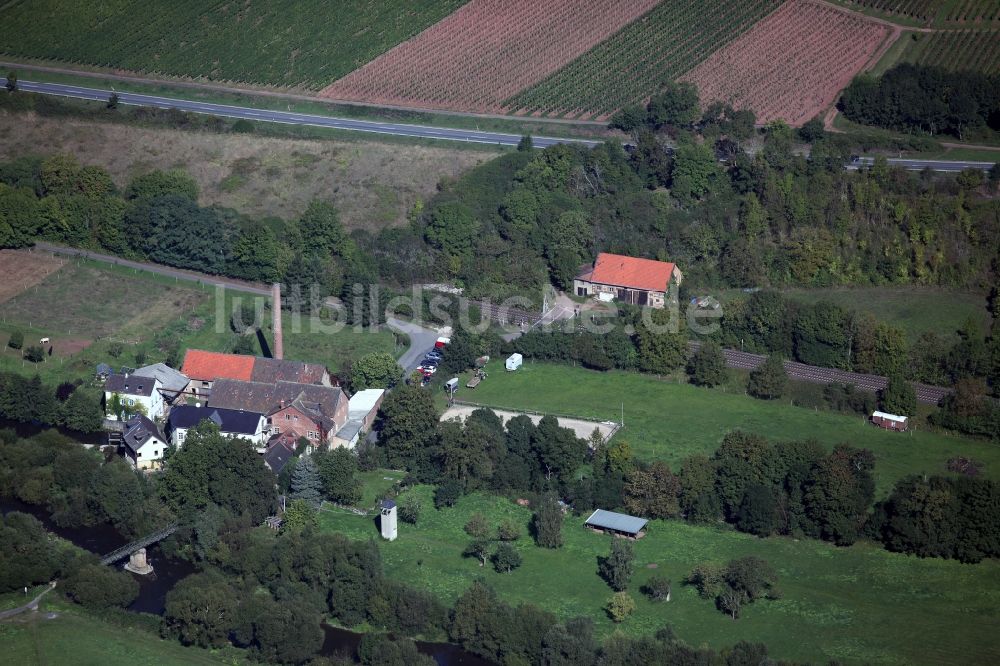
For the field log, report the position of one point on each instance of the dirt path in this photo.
(31, 605)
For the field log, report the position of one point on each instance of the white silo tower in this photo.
(388, 521)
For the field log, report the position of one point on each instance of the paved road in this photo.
(809, 373)
(291, 118)
(421, 341)
(919, 165)
(392, 129)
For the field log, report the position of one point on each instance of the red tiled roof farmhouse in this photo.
(209, 366)
(621, 271)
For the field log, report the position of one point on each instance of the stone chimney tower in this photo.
(388, 520)
(279, 342)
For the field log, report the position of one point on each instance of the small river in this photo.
(167, 572)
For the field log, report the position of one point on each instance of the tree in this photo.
(212, 469)
(525, 144)
(652, 491)
(409, 509)
(82, 411)
(508, 530)
(769, 379)
(506, 558)
(300, 516)
(112, 101)
(478, 548)
(547, 523)
(695, 172)
(657, 588)
(677, 105)
(447, 494)
(477, 527)
(708, 365)
(96, 586)
(620, 606)
(201, 610)
(337, 470)
(616, 568)
(306, 483)
(34, 354)
(375, 370)
(757, 513)
(11, 84)
(660, 353)
(321, 225)
(16, 340)
(407, 426)
(628, 118)
(898, 397)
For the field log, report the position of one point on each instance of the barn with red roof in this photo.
(629, 280)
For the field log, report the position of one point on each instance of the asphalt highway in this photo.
(392, 129)
(291, 118)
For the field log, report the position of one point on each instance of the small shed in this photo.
(618, 524)
(451, 385)
(514, 362)
(890, 421)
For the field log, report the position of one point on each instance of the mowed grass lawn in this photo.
(75, 639)
(856, 605)
(670, 421)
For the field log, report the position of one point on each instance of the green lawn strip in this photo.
(851, 604)
(73, 638)
(670, 421)
(376, 484)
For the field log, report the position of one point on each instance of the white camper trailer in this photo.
(514, 362)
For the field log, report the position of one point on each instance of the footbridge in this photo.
(129, 548)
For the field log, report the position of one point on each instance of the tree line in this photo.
(70, 405)
(925, 99)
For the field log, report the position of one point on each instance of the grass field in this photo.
(670, 421)
(85, 299)
(668, 41)
(855, 605)
(914, 310)
(73, 638)
(374, 184)
(305, 44)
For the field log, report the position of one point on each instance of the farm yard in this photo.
(486, 52)
(660, 46)
(304, 44)
(792, 64)
(858, 605)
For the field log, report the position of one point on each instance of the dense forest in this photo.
(924, 99)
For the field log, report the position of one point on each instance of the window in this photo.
(131, 402)
(296, 417)
(277, 430)
(288, 417)
(204, 383)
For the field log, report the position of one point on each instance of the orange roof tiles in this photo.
(622, 271)
(209, 366)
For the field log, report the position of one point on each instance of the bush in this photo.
(447, 494)
(508, 531)
(657, 588)
(620, 606)
(506, 558)
(409, 509)
(16, 340)
(35, 354)
(769, 380)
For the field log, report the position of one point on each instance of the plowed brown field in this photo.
(792, 64)
(486, 52)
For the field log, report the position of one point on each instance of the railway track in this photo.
(927, 394)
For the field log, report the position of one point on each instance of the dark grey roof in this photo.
(138, 431)
(317, 401)
(277, 456)
(619, 522)
(104, 369)
(228, 420)
(271, 370)
(172, 380)
(388, 503)
(130, 385)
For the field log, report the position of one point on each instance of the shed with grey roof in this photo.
(617, 523)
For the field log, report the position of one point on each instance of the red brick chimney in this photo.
(279, 342)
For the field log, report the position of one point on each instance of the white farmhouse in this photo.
(232, 423)
(138, 394)
(143, 444)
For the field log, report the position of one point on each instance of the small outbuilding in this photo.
(514, 362)
(890, 421)
(618, 524)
